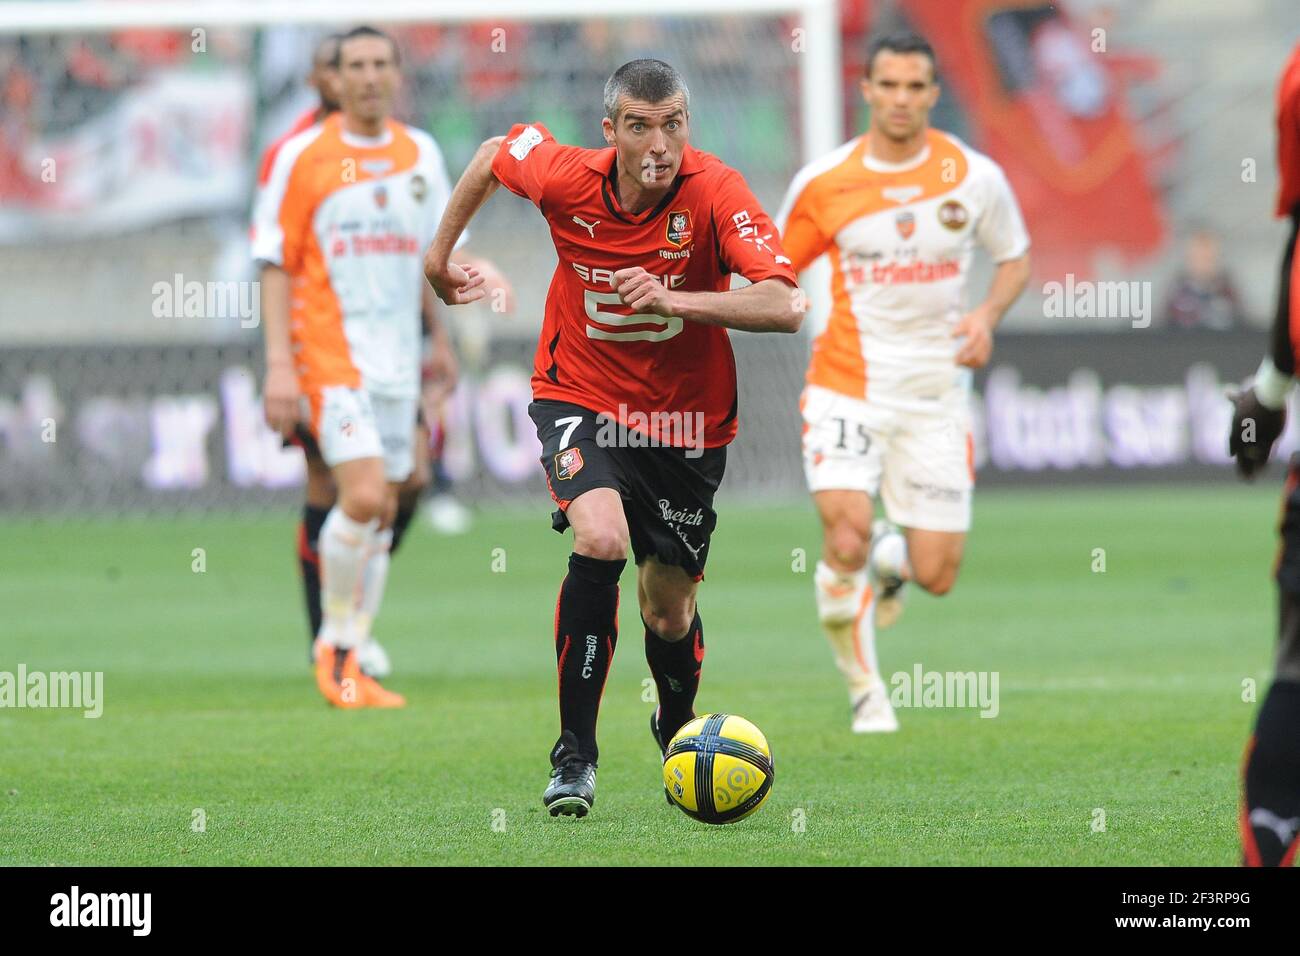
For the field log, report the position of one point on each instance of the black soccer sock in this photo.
(309, 561)
(676, 668)
(586, 633)
(1270, 825)
(406, 508)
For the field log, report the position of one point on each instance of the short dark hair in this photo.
(902, 41)
(328, 44)
(651, 81)
(364, 31)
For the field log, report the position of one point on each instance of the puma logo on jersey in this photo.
(590, 227)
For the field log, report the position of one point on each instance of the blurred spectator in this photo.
(1203, 294)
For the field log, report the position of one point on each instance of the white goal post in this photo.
(821, 101)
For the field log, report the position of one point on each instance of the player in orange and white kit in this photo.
(440, 373)
(340, 229)
(897, 211)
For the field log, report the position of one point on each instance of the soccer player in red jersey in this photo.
(634, 383)
(1270, 812)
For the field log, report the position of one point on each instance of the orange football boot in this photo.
(373, 694)
(339, 678)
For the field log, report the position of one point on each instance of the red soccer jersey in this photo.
(593, 351)
(1288, 135)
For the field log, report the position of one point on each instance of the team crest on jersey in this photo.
(419, 188)
(381, 197)
(953, 215)
(568, 463)
(906, 223)
(679, 227)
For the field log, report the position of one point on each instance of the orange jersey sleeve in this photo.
(307, 120)
(285, 203)
(802, 237)
(294, 215)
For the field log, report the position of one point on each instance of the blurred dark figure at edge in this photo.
(1270, 807)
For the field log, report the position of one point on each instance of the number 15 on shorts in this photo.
(857, 442)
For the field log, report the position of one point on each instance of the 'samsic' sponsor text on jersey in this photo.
(593, 351)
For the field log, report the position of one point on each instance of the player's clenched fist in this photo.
(1255, 427)
(455, 285)
(642, 292)
(976, 327)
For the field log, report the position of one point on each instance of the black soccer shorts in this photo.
(667, 494)
(303, 438)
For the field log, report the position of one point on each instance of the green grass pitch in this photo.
(1120, 692)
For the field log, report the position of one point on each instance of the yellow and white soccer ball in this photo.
(718, 768)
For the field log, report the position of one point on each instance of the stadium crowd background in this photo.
(1195, 84)
(1138, 136)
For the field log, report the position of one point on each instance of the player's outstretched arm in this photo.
(454, 284)
(280, 391)
(977, 325)
(769, 305)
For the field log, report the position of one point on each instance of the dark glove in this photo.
(1255, 428)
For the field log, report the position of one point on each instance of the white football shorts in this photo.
(920, 464)
(354, 424)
